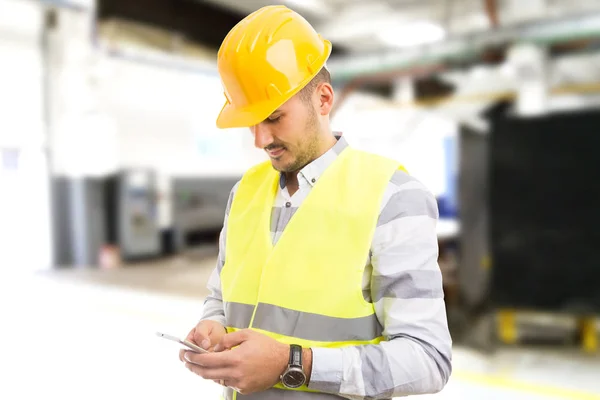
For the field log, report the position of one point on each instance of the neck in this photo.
(327, 141)
(327, 144)
(291, 178)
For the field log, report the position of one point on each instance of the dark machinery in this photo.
(528, 207)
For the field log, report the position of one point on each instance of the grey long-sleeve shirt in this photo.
(402, 278)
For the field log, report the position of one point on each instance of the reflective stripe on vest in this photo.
(278, 394)
(307, 289)
(302, 325)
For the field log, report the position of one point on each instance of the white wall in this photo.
(414, 137)
(165, 119)
(24, 200)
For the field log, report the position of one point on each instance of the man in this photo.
(327, 283)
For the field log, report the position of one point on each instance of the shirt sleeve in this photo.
(213, 304)
(406, 288)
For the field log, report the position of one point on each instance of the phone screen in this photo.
(189, 345)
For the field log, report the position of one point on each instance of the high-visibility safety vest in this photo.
(306, 289)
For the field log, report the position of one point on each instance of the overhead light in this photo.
(314, 6)
(411, 34)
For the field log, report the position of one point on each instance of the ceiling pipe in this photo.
(590, 88)
(358, 82)
(464, 49)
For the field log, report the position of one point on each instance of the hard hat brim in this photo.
(232, 117)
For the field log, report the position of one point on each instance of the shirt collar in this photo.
(311, 172)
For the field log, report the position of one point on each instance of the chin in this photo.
(277, 165)
(281, 166)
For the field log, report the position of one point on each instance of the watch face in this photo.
(294, 378)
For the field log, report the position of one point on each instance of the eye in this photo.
(273, 120)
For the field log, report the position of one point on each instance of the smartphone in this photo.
(189, 345)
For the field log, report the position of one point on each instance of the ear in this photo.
(325, 98)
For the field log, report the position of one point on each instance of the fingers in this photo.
(201, 335)
(189, 337)
(233, 339)
(216, 375)
(211, 360)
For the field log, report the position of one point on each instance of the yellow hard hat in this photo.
(267, 58)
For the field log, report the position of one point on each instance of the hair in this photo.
(308, 90)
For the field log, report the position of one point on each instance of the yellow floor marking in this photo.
(521, 386)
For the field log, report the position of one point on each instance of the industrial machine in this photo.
(528, 268)
(132, 215)
(198, 208)
(90, 213)
(544, 212)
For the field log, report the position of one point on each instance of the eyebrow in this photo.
(275, 113)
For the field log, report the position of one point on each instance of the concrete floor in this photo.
(89, 334)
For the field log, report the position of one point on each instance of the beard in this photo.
(307, 149)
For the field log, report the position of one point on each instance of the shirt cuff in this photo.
(327, 370)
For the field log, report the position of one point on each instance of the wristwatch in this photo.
(294, 375)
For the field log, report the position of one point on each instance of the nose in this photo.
(262, 136)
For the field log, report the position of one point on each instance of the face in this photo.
(292, 136)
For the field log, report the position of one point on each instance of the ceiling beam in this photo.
(202, 22)
(198, 21)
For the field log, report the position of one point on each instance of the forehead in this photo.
(293, 104)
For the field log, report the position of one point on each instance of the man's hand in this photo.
(206, 335)
(245, 360)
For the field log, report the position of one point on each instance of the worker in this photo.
(327, 283)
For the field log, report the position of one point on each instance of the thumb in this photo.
(201, 335)
(233, 339)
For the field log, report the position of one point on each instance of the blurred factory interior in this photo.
(114, 180)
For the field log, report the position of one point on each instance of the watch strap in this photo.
(295, 355)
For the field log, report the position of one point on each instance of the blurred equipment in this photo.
(79, 220)
(199, 209)
(473, 273)
(132, 221)
(544, 212)
(257, 75)
(540, 283)
(95, 216)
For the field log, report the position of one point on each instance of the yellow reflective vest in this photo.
(306, 289)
